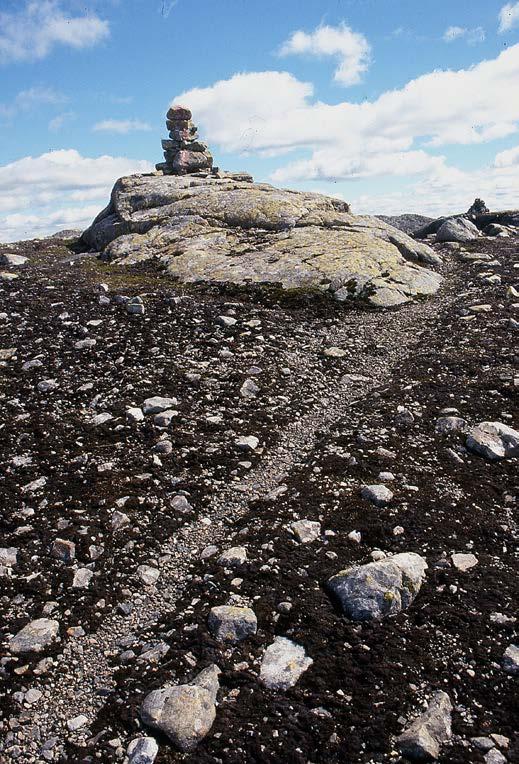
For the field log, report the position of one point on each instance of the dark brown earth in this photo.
(370, 679)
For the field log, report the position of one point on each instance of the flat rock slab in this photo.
(228, 230)
(379, 589)
(283, 664)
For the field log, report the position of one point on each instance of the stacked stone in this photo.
(183, 152)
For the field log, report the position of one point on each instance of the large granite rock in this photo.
(494, 441)
(379, 589)
(458, 229)
(223, 228)
(186, 712)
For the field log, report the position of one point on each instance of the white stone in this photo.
(283, 663)
(156, 404)
(306, 531)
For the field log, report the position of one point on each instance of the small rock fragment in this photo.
(185, 713)
(306, 531)
(283, 663)
(379, 495)
(142, 750)
(232, 624)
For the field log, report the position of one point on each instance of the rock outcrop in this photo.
(222, 228)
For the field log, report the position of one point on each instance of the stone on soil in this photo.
(457, 229)
(185, 713)
(35, 636)
(511, 659)
(379, 495)
(283, 663)
(142, 750)
(493, 441)
(422, 741)
(306, 531)
(379, 589)
(232, 624)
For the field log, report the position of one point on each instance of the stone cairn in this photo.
(183, 152)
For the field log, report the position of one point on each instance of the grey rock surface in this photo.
(185, 713)
(511, 659)
(229, 230)
(379, 495)
(457, 229)
(35, 636)
(422, 741)
(379, 589)
(142, 750)
(232, 624)
(493, 441)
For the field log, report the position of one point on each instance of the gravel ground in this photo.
(320, 420)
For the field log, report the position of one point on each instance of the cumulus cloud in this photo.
(508, 17)
(352, 50)
(274, 113)
(507, 158)
(472, 36)
(446, 191)
(32, 32)
(121, 126)
(40, 194)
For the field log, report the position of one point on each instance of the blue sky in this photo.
(394, 106)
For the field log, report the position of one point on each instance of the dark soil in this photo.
(367, 681)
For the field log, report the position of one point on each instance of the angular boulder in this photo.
(223, 228)
(186, 712)
(422, 741)
(457, 229)
(379, 589)
(34, 637)
(232, 624)
(493, 441)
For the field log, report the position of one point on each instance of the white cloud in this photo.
(28, 99)
(507, 158)
(31, 33)
(273, 113)
(445, 192)
(508, 17)
(121, 126)
(57, 122)
(472, 36)
(47, 192)
(351, 49)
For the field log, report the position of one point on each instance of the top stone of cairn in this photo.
(179, 114)
(183, 152)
